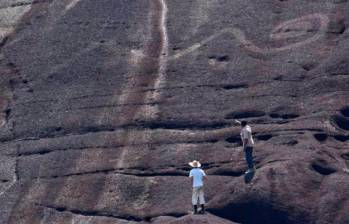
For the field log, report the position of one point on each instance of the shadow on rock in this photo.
(249, 177)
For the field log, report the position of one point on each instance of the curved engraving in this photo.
(286, 30)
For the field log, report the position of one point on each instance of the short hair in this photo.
(243, 123)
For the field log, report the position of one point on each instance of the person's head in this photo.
(195, 164)
(243, 123)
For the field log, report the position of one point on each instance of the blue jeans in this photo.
(249, 156)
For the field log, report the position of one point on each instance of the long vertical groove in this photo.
(150, 71)
(159, 34)
(161, 79)
(157, 52)
(159, 82)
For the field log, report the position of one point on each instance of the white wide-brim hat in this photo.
(195, 164)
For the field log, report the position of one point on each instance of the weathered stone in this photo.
(192, 219)
(103, 104)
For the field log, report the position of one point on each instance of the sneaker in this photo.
(202, 209)
(195, 209)
(249, 171)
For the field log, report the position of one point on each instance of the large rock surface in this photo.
(103, 104)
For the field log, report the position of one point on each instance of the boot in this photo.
(195, 209)
(202, 209)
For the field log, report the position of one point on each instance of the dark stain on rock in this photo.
(227, 172)
(341, 138)
(337, 27)
(3, 41)
(340, 122)
(291, 142)
(345, 111)
(345, 156)
(339, 1)
(321, 137)
(232, 86)
(51, 132)
(308, 66)
(213, 141)
(221, 58)
(278, 78)
(7, 114)
(234, 139)
(264, 212)
(322, 167)
(264, 137)
(284, 116)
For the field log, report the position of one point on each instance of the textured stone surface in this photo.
(103, 103)
(192, 219)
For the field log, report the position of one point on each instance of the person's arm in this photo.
(190, 175)
(237, 121)
(244, 138)
(204, 176)
(245, 141)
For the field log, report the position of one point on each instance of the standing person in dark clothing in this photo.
(247, 142)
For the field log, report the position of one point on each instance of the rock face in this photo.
(104, 103)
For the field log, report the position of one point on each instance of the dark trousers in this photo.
(249, 156)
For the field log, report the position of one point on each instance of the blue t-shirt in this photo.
(197, 175)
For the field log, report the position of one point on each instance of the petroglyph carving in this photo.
(71, 4)
(9, 185)
(9, 17)
(313, 25)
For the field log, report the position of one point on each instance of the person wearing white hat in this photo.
(197, 175)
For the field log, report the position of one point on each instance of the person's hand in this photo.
(236, 121)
